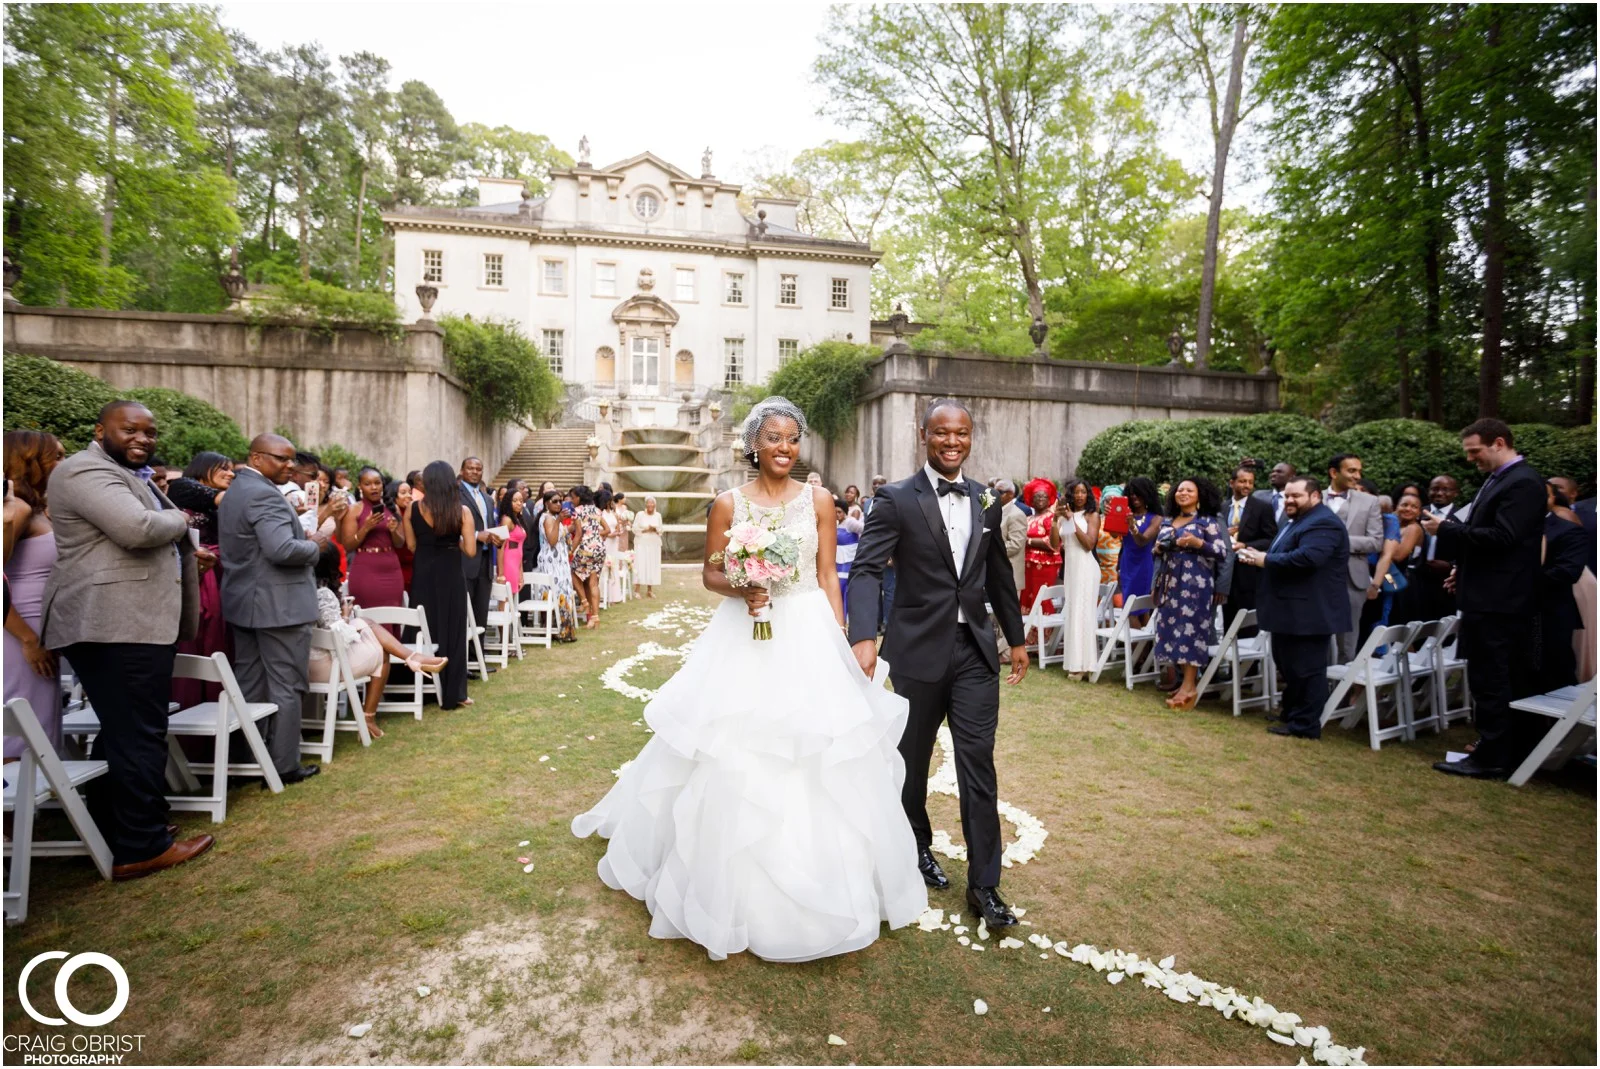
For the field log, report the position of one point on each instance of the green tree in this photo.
(506, 152)
(507, 379)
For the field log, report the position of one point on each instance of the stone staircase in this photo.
(556, 454)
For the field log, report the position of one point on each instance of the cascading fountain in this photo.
(665, 463)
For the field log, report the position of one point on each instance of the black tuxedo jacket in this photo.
(906, 524)
(471, 567)
(1257, 527)
(1496, 551)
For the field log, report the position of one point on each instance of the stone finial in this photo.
(583, 151)
(1175, 346)
(705, 163)
(427, 294)
(13, 272)
(1037, 332)
(233, 281)
(899, 321)
(761, 222)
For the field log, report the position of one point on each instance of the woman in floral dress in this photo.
(588, 542)
(1191, 545)
(553, 562)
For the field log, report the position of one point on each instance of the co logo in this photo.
(63, 1001)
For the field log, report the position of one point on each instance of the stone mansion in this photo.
(639, 279)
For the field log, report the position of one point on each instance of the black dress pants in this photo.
(1500, 669)
(1302, 664)
(969, 695)
(129, 685)
(478, 590)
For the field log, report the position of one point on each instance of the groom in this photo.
(943, 532)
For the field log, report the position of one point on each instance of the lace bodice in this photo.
(800, 520)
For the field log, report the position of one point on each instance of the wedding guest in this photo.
(414, 480)
(813, 479)
(848, 535)
(269, 597)
(121, 635)
(610, 576)
(1566, 557)
(1581, 509)
(1078, 527)
(1434, 600)
(619, 505)
(198, 493)
(159, 474)
(1301, 601)
(369, 535)
(31, 669)
(1042, 563)
(1399, 572)
(852, 497)
(1364, 520)
(478, 568)
(367, 648)
(1136, 566)
(553, 562)
(510, 507)
(441, 537)
(1277, 479)
(1108, 544)
(587, 551)
(886, 586)
(341, 479)
(1496, 555)
(1250, 523)
(1191, 545)
(1386, 578)
(647, 548)
(1013, 531)
(397, 498)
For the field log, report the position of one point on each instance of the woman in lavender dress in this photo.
(31, 671)
(1192, 544)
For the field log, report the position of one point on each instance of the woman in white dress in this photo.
(764, 813)
(647, 548)
(1080, 577)
(610, 576)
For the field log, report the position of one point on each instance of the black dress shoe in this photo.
(932, 874)
(304, 772)
(1472, 768)
(1284, 729)
(987, 901)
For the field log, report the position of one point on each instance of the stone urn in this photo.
(13, 272)
(1037, 332)
(593, 445)
(605, 408)
(233, 284)
(427, 294)
(715, 409)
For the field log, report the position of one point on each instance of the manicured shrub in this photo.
(1395, 450)
(824, 381)
(507, 379)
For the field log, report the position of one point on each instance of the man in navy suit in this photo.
(1496, 550)
(1301, 601)
(479, 571)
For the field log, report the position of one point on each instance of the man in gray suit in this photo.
(125, 589)
(268, 594)
(1364, 520)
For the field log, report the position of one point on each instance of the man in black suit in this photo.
(1302, 601)
(1567, 486)
(1278, 478)
(1250, 523)
(943, 532)
(1436, 601)
(479, 571)
(1496, 554)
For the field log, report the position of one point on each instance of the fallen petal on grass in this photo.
(834, 1041)
(360, 1030)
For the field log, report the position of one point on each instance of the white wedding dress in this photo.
(764, 813)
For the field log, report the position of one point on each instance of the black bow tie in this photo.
(948, 487)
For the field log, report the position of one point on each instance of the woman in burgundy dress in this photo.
(369, 535)
(198, 493)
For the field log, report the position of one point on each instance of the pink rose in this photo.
(744, 536)
(758, 571)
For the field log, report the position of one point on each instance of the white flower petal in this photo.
(543, 758)
(1009, 943)
(963, 940)
(1276, 1038)
(1167, 962)
(834, 1041)
(980, 1007)
(360, 1030)
(1113, 978)
(423, 991)
(527, 868)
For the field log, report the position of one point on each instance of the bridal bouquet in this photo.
(760, 555)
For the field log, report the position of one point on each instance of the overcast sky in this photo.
(669, 77)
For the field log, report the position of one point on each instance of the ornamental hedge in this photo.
(507, 379)
(824, 383)
(43, 394)
(1391, 450)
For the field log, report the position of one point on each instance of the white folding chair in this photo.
(1105, 605)
(422, 642)
(1247, 660)
(24, 795)
(219, 720)
(1422, 685)
(1046, 625)
(342, 682)
(542, 609)
(1450, 667)
(1570, 707)
(1132, 647)
(1375, 674)
(476, 661)
(500, 638)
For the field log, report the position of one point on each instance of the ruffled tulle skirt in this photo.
(764, 813)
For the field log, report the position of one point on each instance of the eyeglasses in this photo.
(280, 459)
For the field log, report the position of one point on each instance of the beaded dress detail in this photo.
(799, 520)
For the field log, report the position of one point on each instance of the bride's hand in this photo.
(755, 597)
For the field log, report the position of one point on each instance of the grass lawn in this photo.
(1427, 918)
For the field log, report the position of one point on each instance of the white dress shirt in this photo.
(1236, 510)
(957, 522)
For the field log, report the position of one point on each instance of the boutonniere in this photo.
(985, 500)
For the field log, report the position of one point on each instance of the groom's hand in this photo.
(866, 652)
(1019, 664)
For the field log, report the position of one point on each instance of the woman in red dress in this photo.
(1042, 561)
(369, 535)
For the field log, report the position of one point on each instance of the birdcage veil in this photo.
(766, 409)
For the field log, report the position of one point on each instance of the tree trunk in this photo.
(1432, 353)
(109, 213)
(1494, 243)
(361, 200)
(272, 204)
(1403, 359)
(1230, 120)
(302, 216)
(1586, 327)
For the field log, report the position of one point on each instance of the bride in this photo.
(764, 813)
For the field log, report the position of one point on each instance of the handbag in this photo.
(1394, 582)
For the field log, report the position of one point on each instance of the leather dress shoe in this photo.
(1284, 729)
(304, 772)
(987, 902)
(176, 854)
(1472, 768)
(932, 874)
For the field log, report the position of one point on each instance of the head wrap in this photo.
(1034, 486)
(765, 409)
(1107, 492)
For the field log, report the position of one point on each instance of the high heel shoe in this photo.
(432, 666)
(373, 730)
